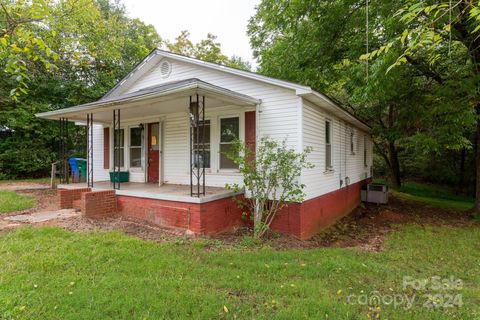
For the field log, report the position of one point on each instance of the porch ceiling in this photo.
(166, 98)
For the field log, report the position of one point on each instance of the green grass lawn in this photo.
(30, 180)
(431, 195)
(49, 273)
(11, 201)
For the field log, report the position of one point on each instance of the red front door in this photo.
(153, 152)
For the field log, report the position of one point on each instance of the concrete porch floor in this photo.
(172, 192)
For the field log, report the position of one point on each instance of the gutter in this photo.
(100, 104)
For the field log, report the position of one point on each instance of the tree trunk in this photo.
(392, 151)
(394, 165)
(461, 179)
(477, 163)
(257, 217)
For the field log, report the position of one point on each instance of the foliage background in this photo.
(56, 54)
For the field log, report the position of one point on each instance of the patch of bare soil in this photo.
(131, 227)
(15, 186)
(366, 227)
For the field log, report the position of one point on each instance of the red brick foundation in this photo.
(201, 218)
(304, 220)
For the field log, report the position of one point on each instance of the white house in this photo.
(152, 125)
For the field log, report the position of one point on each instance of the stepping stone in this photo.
(44, 216)
(8, 225)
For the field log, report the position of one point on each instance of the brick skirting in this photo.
(302, 220)
(201, 218)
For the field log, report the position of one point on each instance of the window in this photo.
(119, 155)
(136, 147)
(204, 140)
(365, 151)
(352, 142)
(229, 131)
(328, 145)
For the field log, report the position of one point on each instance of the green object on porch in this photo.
(82, 168)
(121, 176)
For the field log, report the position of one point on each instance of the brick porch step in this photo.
(68, 196)
(93, 204)
(77, 204)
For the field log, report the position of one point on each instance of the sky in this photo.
(227, 19)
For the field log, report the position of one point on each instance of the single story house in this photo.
(167, 124)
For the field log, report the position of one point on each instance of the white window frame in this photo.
(365, 153)
(218, 138)
(330, 143)
(142, 150)
(352, 141)
(208, 170)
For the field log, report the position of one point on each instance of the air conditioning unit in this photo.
(376, 193)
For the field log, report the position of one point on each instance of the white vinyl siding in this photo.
(345, 165)
(278, 117)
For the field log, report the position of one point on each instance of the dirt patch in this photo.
(128, 226)
(366, 228)
(391, 217)
(15, 186)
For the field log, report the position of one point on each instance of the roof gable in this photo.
(157, 55)
(138, 78)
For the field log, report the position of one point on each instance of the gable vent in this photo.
(165, 69)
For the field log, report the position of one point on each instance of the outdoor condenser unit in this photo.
(376, 193)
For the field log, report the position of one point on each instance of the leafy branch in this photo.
(270, 179)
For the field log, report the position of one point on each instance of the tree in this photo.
(96, 45)
(19, 42)
(318, 43)
(91, 42)
(443, 34)
(207, 49)
(270, 179)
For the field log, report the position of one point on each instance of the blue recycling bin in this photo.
(76, 164)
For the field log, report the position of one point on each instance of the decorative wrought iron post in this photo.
(90, 150)
(63, 150)
(116, 149)
(197, 145)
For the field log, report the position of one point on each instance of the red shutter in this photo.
(250, 130)
(106, 148)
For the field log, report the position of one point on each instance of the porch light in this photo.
(141, 126)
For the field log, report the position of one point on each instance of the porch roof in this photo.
(168, 97)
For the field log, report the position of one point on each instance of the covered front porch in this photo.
(169, 139)
(168, 192)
